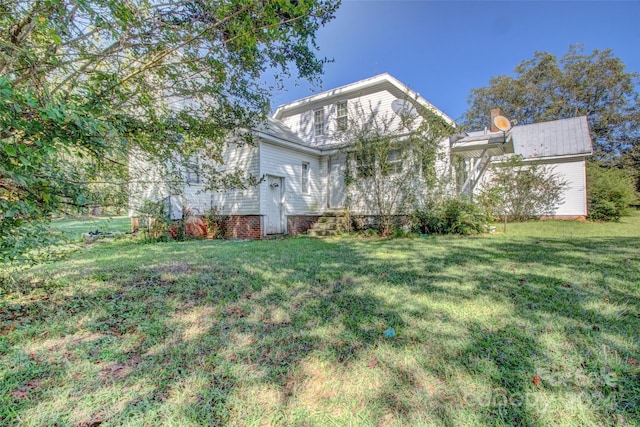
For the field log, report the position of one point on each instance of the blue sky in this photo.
(443, 49)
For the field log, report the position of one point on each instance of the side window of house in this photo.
(341, 108)
(305, 177)
(394, 161)
(462, 172)
(318, 122)
(192, 170)
(365, 163)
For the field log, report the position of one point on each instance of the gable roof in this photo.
(384, 80)
(275, 128)
(557, 138)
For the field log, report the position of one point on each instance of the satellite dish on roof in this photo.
(502, 123)
(403, 107)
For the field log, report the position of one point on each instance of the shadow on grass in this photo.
(190, 334)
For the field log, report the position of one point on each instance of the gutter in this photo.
(546, 158)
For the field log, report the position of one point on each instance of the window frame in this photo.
(318, 122)
(342, 113)
(395, 165)
(306, 178)
(365, 165)
(192, 173)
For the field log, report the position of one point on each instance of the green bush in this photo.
(155, 219)
(610, 192)
(216, 222)
(521, 190)
(453, 216)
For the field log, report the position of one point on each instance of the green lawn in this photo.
(74, 228)
(539, 326)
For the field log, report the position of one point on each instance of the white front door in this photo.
(337, 168)
(274, 220)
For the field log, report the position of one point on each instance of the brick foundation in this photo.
(242, 227)
(580, 218)
(298, 224)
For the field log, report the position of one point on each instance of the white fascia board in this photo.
(296, 147)
(362, 84)
(550, 158)
(351, 87)
(582, 156)
(420, 100)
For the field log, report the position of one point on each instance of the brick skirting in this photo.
(249, 226)
(580, 218)
(298, 224)
(242, 227)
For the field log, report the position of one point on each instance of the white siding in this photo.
(287, 163)
(146, 182)
(242, 157)
(149, 182)
(375, 99)
(574, 197)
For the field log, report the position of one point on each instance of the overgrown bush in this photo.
(216, 223)
(456, 215)
(155, 219)
(610, 191)
(521, 191)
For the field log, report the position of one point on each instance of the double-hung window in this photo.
(305, 177)
(341, 109)
(192, 170)
(365, 165)
(394, 161)
(318, 122)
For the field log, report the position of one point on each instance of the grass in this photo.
(74, 228)
(539, 326)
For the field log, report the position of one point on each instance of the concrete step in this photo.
(328, 219)
(337, 213)
(322, 233)
(324, 226)
(328, 224)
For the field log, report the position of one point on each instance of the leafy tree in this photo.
(84, 82)
(392, 164)
(630, 162)
(544, 88)
(521, 191)
(610, 192)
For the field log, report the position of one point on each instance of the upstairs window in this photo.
(318, 122)
(341, 108)
(305, 177)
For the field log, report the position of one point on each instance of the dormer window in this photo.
(318, 122)
(341, 109)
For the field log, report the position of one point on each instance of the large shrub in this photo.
(521, 191)
(452, 216)
(610, 191)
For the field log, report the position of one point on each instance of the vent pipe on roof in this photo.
(495, 112)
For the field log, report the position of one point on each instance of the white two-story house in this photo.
(301, 162)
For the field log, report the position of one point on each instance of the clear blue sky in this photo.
(443, 49)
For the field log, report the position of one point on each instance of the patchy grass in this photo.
(538, 326)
